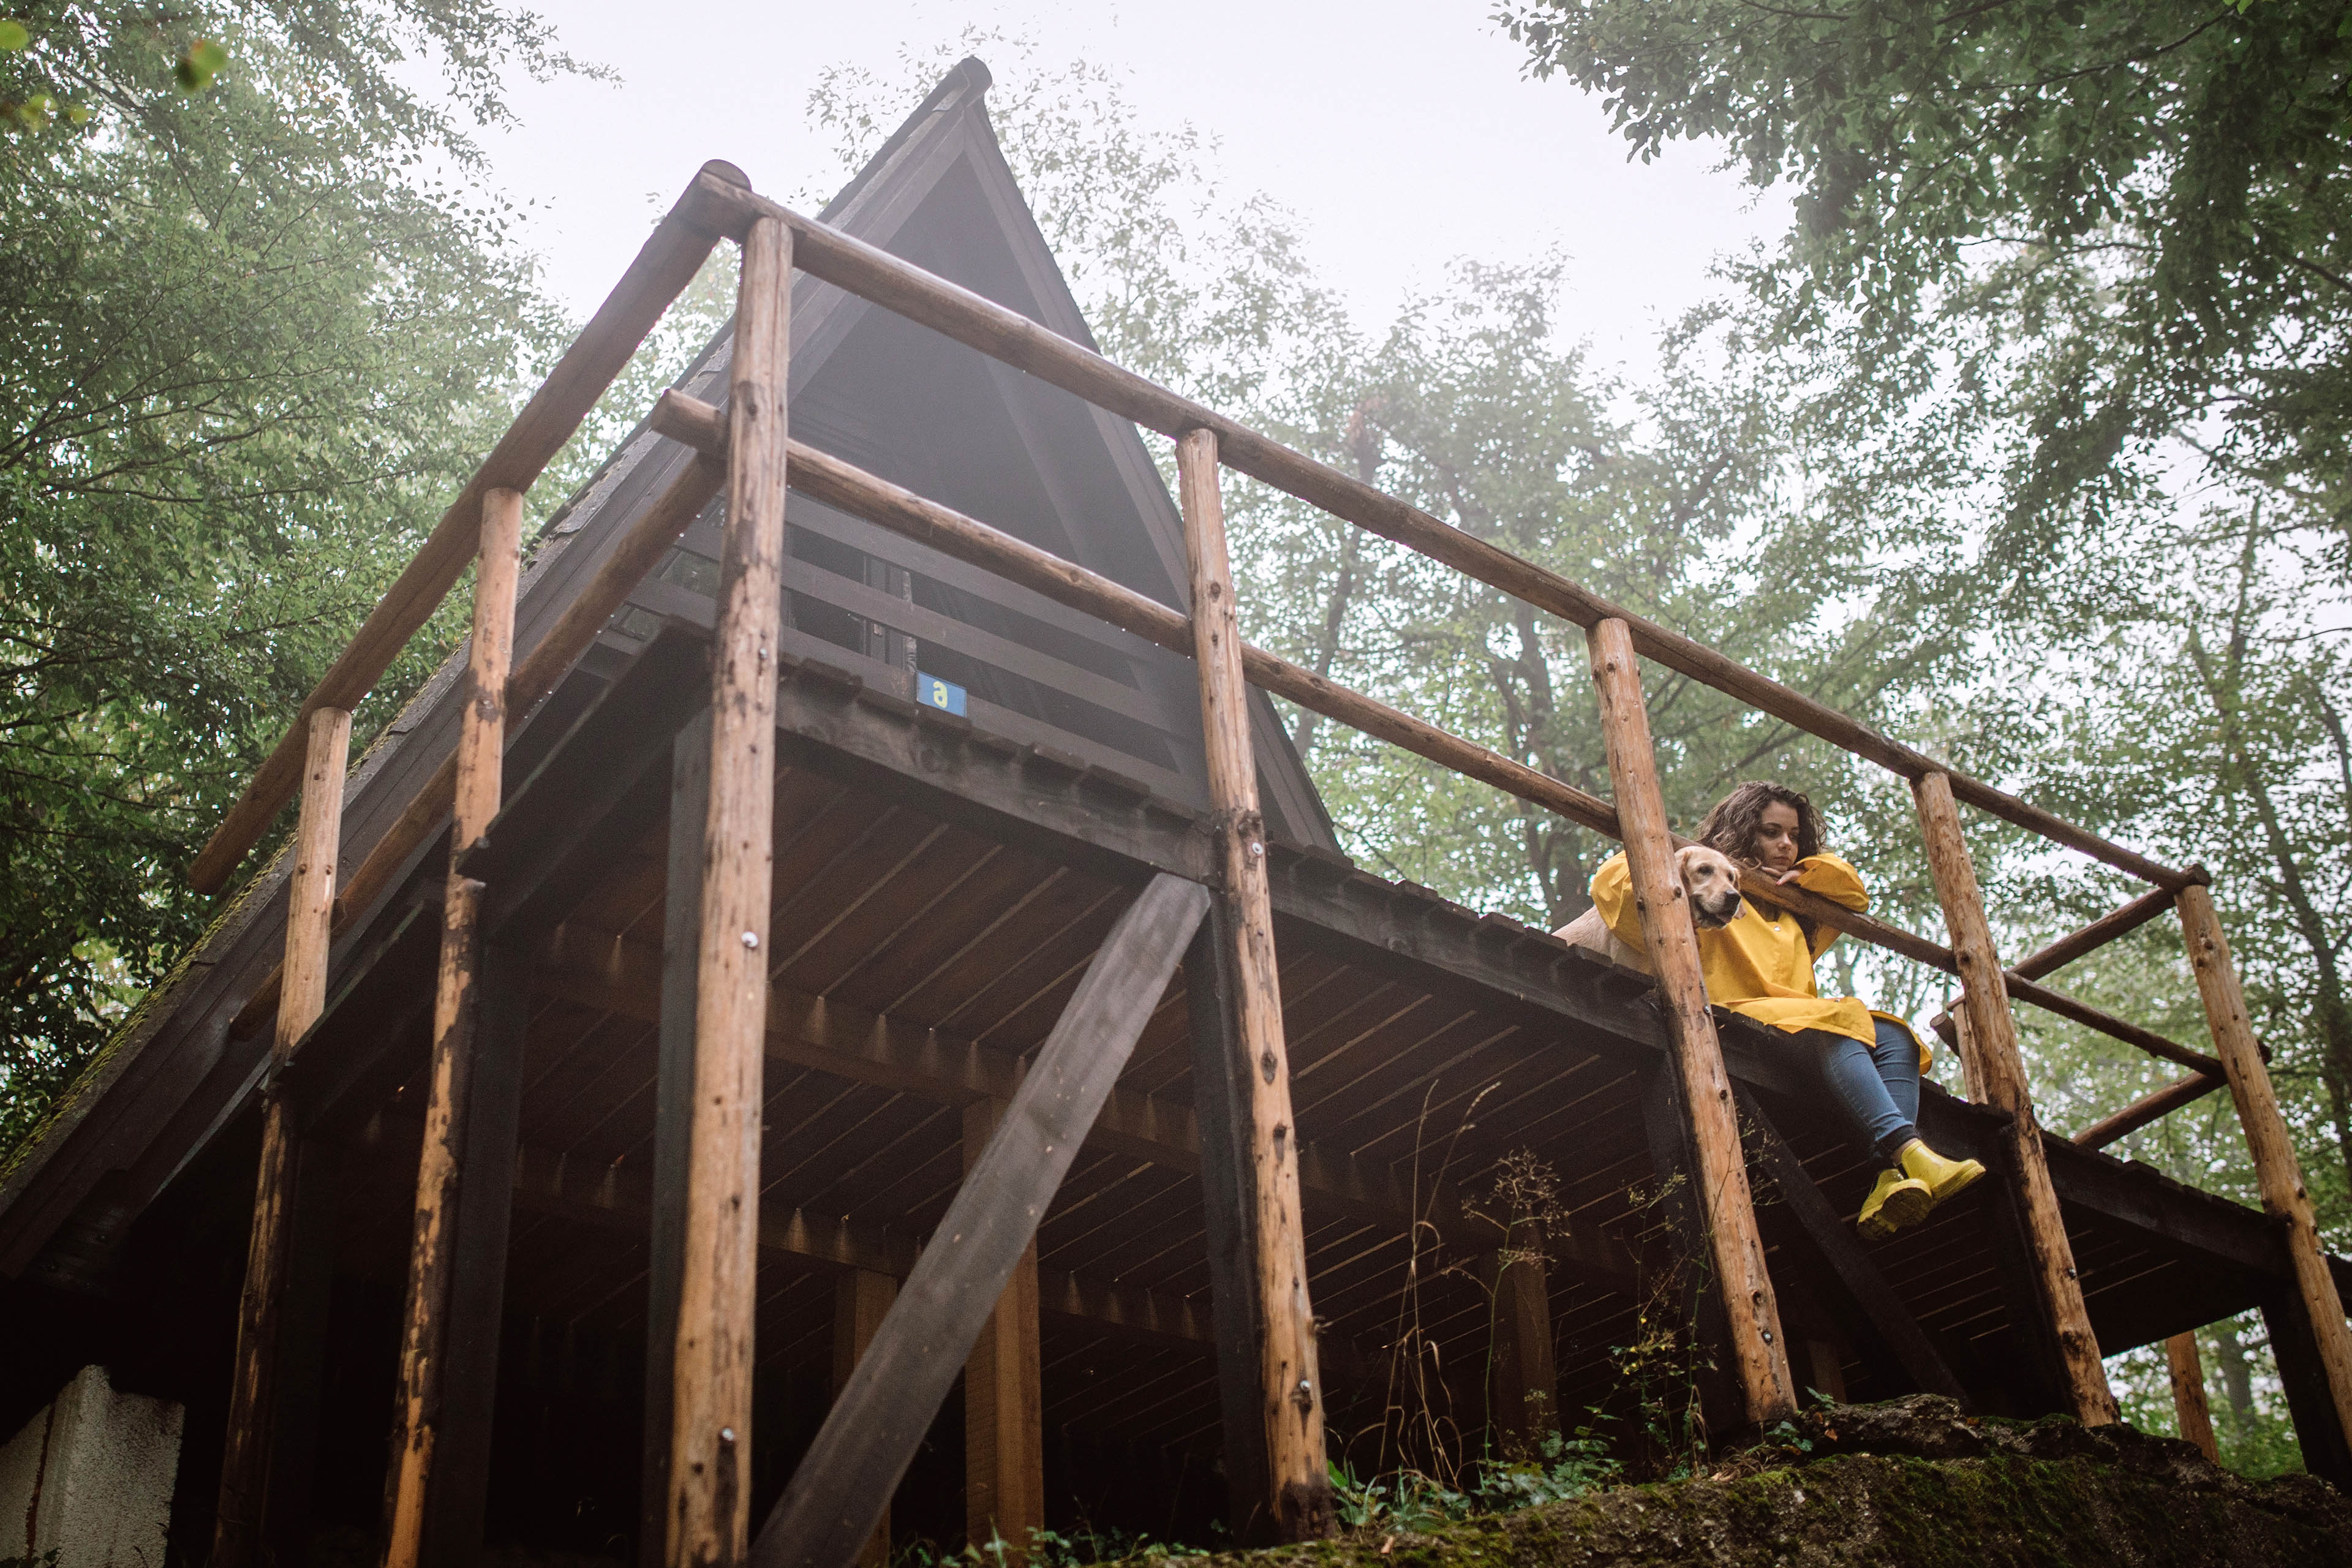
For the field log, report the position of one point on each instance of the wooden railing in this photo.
(746, 448)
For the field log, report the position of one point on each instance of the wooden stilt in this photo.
(1759, 1356)
(860, 1299)
(2188, 1404)
(689, 808)
(2277, 1173)
(310, 913)
(710, 1436)
(1525, 1387)
(1003, 1420)
(2303, 1377)
(1984, 1000)
(1290, 1385)
(1220, 1100)
(456, 1018)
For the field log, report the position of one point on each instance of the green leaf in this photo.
(12, 35)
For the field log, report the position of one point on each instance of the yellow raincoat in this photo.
(1761, 964)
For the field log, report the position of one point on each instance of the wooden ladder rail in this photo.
(310, 913)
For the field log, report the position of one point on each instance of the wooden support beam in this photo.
(1290, 1387)
(710, 1512)
(2304, 1377)
(248, 1456)
(1880, 1325)
(871, 273)
(1229, 1222)
(681, 958)
(2148, 1108)
(860, 1299)
(2188, 1407)
(662, 267)
(1003, 1419)
(1696, 1297)
(844, 1484)
(831, 1036)
(2058, 1289)
(457, 1019)
(2278, 1174)
(1760, 1354)
(1525, 1387)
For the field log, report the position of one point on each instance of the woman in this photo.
(1762, 964)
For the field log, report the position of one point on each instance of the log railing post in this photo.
(1993, 1031)
(2278, 1174)
(310, 912)
(1726, 1207)
(457, 1017)
(1290, 1384)
(709, 1510)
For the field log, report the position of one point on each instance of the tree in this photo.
(249, 346)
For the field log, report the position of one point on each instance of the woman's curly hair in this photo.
(1731, 825)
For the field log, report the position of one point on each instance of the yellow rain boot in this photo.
(1896, 1201)
(1944, 1179)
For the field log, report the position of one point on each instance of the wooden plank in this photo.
(1290, 1387)
(2058, 1294)
(839, 1491)
(1760, 1353)
(709, 1473)
(458, 1028)
(860, 1299)
(2277, 1173)
(247, 1456)
(1229, 1215)
(664, 267)
(1003, 1419)
(2148, 1108)
(681, 958)
(2188, 1407)
(1882, 1312)
(874, 275)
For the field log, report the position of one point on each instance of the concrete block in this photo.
(90, 1478)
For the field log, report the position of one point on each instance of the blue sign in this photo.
(933, 692)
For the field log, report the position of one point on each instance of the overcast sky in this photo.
(1401, 134)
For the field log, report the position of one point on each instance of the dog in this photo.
(1710, 881)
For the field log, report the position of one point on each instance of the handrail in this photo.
(884, 279)
(664, 265)
(825, 477)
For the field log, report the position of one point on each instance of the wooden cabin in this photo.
(974, 787)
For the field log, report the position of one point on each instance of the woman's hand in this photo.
(1791, 875)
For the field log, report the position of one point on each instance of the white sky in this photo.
(1401, 134)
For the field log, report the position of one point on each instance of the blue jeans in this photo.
(1876, 1085)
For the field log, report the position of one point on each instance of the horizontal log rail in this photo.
(2147, 1109)
(881, 278)
(828, 478)
(664, 267)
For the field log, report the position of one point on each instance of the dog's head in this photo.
(1712, 883)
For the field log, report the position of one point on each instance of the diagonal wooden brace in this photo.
(840, 1491)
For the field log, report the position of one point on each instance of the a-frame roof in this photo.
(891, 396)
